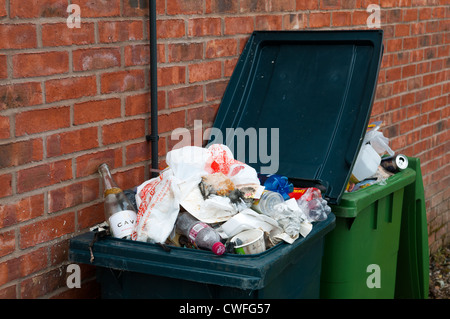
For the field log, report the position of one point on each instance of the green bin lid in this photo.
(317, 88)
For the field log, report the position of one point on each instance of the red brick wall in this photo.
(71, 99)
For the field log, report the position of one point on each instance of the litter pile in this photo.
(207, 199)
(371, 167)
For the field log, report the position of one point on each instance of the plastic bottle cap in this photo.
(218, 248)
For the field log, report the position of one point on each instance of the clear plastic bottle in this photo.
(265, 204)
(119, 211)
(200, 234)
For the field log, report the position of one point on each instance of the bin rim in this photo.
(352, 203)
(239, 271)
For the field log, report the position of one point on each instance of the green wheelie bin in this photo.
(360, 254)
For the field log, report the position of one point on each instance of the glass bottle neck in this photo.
(110, 185)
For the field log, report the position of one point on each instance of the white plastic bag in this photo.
(158, 200)
(158, 209)
(379, 142)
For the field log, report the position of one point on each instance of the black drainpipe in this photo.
(153, 137)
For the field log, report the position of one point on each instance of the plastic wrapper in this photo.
(311, 203)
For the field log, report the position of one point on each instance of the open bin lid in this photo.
(317, 88)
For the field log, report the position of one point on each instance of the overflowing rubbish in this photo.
(376, 161)
(205, 199)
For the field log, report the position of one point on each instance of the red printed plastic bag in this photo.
(158, 209)
(221, 160)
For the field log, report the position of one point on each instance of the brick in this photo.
(7, 246)
(43, 175)
(341, 18)
(359, 17)
(408, 70)
(138, 152)
(138, 104)
(71, 142)
(122, 81)
(94, 111)
(98, 8)
(394, 45)
(123, 131)
(215, 90)
(171, 121)
(238, 25)
(393, 74)
(295, 21)
(172, 28)
(268, 22)
(21, 210)
(409, 43)
(410, 15)
(222, 6)
(206, 114)
(18, 36)
(393, 16)
(40, 64)
(139, 54)
(19, 153)
(205, 71)
(330, 4)
(130, 178)
(407, 99)
(119, 31)
(221, 48)
(175, 7)
(70, 88)
(400, 58)
(319, 19)
(3, 67)
(95, 58)
(282, 6)
(171, 75)
(88, 164)
(24, 265)
(6, 182)
(73, 195)
(393, 104)
(185, 96)
(200, 27)
(185, 52)
(425, 13)
(46, 230)
(38, 9)
(307, 5)
(42, 120)
(58, 34)
(252, 6)
(3, 11)
(90, 216)
(401, 30)
(139, 8)
(4, 127)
